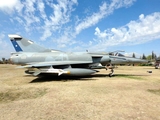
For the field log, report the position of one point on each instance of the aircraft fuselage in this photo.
(31, 57)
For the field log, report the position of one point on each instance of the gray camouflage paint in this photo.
(75, 63)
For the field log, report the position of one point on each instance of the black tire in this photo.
(110, 74)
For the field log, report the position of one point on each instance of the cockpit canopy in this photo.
(116, 54)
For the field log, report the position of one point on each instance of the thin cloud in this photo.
(146, 28)
(1, 38)
(60, 16)
(4, 49)
(82, 24)
(104, 10)
(41, 7)
(31, 15)
(91, 20)
(25, 13)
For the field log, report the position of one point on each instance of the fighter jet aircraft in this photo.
(38, 59)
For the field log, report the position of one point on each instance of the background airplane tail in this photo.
(21, 44)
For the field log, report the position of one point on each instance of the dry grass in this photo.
(18, 94)
(132, 94)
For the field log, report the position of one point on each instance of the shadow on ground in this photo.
(49, 78)
(124, 75)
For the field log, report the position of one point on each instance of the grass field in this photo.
(131, 94)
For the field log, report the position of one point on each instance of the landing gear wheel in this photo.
(111, 74)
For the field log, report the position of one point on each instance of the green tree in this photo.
(133, 55)
(143, 56)
(3, 60)
(153, 55)
(149, 57)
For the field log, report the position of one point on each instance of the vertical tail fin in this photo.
(21, 44)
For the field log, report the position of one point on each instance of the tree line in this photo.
(5, 61)
(152, 57)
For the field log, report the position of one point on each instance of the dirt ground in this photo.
(131, 94)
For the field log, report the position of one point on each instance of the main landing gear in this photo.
(111, 74)
(112, 69)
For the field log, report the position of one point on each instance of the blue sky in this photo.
(80, 25)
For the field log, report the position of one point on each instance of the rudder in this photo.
(21, 44)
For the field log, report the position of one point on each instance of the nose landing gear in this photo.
(110, 66)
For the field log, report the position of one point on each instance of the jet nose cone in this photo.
(136, 60)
